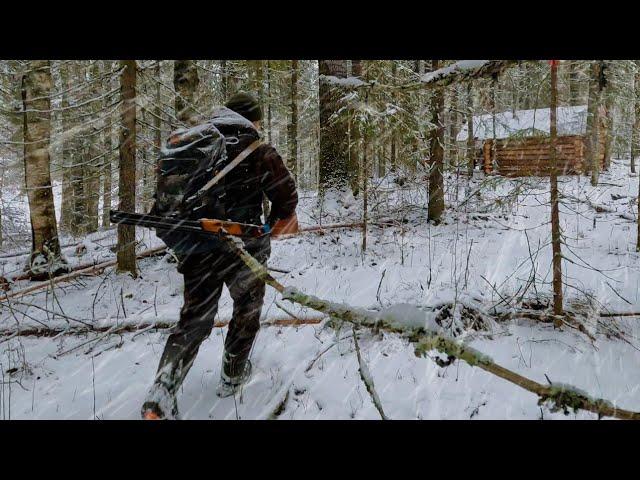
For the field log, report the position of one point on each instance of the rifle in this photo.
(204, 226)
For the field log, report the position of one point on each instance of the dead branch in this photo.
(367, 379)
(144, 326)
(86, 269)
(559, 396)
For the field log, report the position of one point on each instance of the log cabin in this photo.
(522, 142)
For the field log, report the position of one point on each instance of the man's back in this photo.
(262, 172)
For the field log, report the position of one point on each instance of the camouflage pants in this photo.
(204, 276)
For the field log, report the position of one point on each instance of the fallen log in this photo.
(146, 253)
(138, 327)
(77, 272)
(425, 339)
(602, 208)
(92, 268)
(619, 314)
(64, 245)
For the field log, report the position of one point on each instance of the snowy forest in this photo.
(468, 243)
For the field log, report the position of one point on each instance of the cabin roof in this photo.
(570, 120)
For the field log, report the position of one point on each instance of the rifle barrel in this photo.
(168, 223)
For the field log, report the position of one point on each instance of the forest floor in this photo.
(491, 250)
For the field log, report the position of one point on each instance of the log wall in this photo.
(531, 156)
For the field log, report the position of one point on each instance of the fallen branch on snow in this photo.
(90, 269)
(601, 208)
(426, 337)
(144, 326)
(367, 379)
(94, 269)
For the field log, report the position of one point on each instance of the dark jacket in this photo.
(261, 172)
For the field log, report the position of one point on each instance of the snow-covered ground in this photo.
(486, 252)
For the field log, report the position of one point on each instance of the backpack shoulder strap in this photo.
(239, 158)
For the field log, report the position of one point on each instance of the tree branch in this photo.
(559, 396)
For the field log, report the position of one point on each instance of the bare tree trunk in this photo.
(608, 128)
(334, 153)
(453, 126)
(46, 257)
(92, 182)
(293, 122)
(597, 140)
(76, 174)
(356, 140)
(127, 175)
(416, 151)
(574, 83)
(157, 123)
(224, 80)
(638, 202)
(91, 169)
(268, 66)
(108, 147)
(394, 134)
(592, 137)
(436, 160)
(106, 179)
(555, 208)
(77, 182)
(67, 186)
(365, 183)
(158, 113)
(1, 188)
(471, 143)
(144, 171)
(185, 82)
(635, 131)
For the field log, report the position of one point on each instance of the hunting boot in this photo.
(161, 403)
(236, 370)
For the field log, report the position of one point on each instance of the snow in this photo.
(343, 82)
(462, 66)
(409, 316)
(425, 267)
(570, 120)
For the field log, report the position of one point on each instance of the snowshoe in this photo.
(160, 404)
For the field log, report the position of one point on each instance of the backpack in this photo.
(185, 171)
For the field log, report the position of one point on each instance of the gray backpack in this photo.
(191, 170)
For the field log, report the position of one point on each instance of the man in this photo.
(205, 273)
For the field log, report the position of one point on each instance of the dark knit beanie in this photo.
(245, 105)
